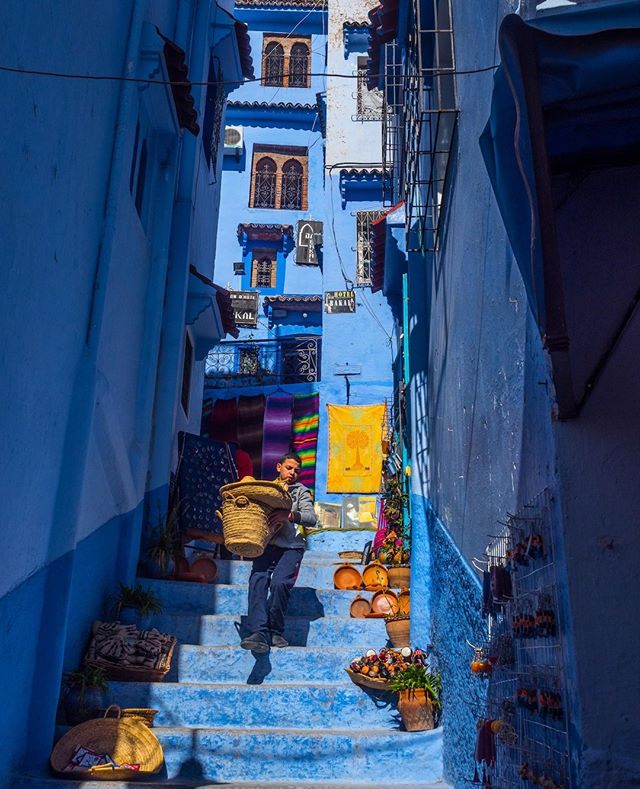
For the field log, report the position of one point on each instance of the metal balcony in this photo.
(287, 360)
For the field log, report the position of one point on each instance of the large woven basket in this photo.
(246, 506)
(127, 740)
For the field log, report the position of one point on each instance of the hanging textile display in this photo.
(306, 420)
(203, 468)
(250, 421)
(355, 448)
(278, 416)
(223, 422)
(207, 407)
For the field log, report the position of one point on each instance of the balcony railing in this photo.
(288, 360)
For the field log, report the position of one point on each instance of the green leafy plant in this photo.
(164, 539)
(144, 601)
(417, 677)
(86, 677)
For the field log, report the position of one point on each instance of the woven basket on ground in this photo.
(368, 682)
(126, 740)
(246, 506)
(145, 714)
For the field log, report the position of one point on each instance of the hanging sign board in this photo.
(340, 301)
(245, 307)
(308, 239)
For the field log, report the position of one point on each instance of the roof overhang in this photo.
(209, 313)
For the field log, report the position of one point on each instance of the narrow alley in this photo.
(319, 394)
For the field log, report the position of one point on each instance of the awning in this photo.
(299, 303)
(379, 248)
(209, 313)
(562, 104)
(244, 48)
(279, 234)
(180, 85)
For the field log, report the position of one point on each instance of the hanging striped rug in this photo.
(277, 432)
(306, 421)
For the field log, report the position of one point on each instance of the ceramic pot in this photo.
(399, 577)
(374, 577)
(347, 577)
(398, 632)
(384, 602)
(416, 710)
(359, 607)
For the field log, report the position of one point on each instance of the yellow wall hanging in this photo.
(355, 448)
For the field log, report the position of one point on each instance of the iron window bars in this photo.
(274, 64)
(288, 360)
(392, 125)
(299, 66)
(264, 185)
(369, 103)
(363, 245)
(286, 70)
(292, 180)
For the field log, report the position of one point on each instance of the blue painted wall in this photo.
(84, 321)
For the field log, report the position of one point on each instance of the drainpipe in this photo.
(406, 463)
(172, 336)
(52, 634)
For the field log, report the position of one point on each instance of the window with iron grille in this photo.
(273, 64)
(291, 194)
(285, 60)
(363, 245)
(299, 66)
(264, 183)
(214, 106)
(263, 268)
(369, 103)
(279, 177)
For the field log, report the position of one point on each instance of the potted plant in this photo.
(84, 693)
(163, 544)
(136, 605)
(419, 697)
(394, 550)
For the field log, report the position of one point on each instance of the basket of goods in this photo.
(246, 507)
(398, 629)
(128, 654)
(347, 577)
(375, 670)
(359, 607)
(108, 749)
(384, 603)
(374, 577)
(145, 714)
(355, 556)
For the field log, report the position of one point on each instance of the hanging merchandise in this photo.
(224, 420)
(355, 448)
(250, 421)
(306, 420)
(276, 431)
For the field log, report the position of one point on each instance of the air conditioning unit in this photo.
(233, 140)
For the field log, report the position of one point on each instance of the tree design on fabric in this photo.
(357, 440)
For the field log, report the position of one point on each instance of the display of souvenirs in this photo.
(538, 779)
(545, 703)
(542, 624)
(84, 759)
(392, 550)
(386, 663)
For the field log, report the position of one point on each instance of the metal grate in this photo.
(369, 103)
(363, 245)
(299, 66)
(392, 125)
(294, 359)
(273, 64)
(292, 180)
(430, 118)
(264, 185)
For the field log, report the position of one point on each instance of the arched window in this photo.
(299, 66)
(273, 64)
(292, 178)
(264, 184)
(263, 269)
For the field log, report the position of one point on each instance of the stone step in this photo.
(307, 705)
(299, 755)
(339, 540)
(316, 574)
(226, 630)
(183, 596)
(232, 664)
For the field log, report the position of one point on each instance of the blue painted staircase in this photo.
(291, 718)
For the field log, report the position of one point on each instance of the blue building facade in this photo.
(298, 112)
(519, 356)
(110, 192)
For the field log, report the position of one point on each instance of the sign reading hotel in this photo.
(308, 239)
(340, 301)
(245, 307)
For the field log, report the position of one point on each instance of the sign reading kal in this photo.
(245, 307)
(308, 239)
(340, 301)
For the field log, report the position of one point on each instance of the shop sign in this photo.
(245, 307)
(340, 301)
(308, 239)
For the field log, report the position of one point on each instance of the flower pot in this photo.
(80, 707)
(399, 577)
(416, 710)
(398, 632)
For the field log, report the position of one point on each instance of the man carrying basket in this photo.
(274, 573)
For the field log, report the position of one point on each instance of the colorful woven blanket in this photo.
(306, 421)
(250, 422)
(223, 423)
(278, 415)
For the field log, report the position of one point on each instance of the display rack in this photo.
(527, 685)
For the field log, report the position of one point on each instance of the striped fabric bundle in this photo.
(223, 423)
(250, 422)
(278, 415)
(306, 421)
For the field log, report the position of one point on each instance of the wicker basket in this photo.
(367, 682)
(246, 507)
(127, 740)
(137, 673)
(145, 714)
